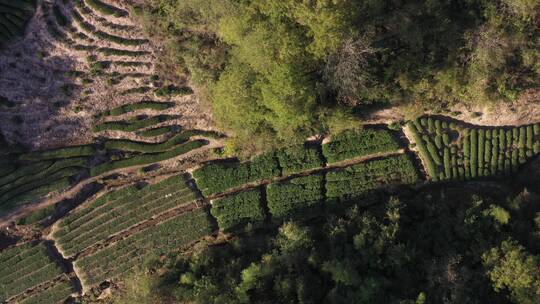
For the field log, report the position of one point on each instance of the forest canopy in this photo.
(461, 244)
(276, 72)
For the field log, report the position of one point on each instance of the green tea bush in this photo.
(119, 210)
(300, 158)
(144, 105)
(57, 293)
(171, 90)
(359, 180)
(433, 151)
(105, 8)
(23, 267)
(68, 152)
(127, 254)
(134, 124)
(447, 163)
(296, 198)
(474, 153)
(424, 153)
(481, 142)
(351, 144)
(157, 131)
(119, 52)
(145, 159)
(218, 177)
(233, 212)
(143, 147)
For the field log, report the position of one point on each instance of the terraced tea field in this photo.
(84, 75)
(112, 166)
(455, 151)
(29, 266)
(122, 228)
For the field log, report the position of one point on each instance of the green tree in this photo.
(510, 267)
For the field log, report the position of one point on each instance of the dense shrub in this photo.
(171, 90)
(351, 144)
(105, 8)
(233, 212)
(299, 158)
(118, 210)
(57, 293)
(474, 153)
(24, 267)
(360, 179)
(296, 198)
(68, 152)
(145, 159)
(213, 178)
(144, 105)
(131, 252)
(134, 124)
(424, 153)
(481, 143)
(447, 163)
(119, 52)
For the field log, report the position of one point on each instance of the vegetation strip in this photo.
(145, 159)
(452, 151)
(125, 254)
(119, 210)
(24, 267)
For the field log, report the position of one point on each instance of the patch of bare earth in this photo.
(56, 94)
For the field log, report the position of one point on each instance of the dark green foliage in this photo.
(474, 153)
(378, 254)
(360, 179)
(171, 90)
(480, 152)
(118, 52)
(300, 158)
(447, 163)
(481, 143)
(296, 198)
(237, 210)
(156, 131)
(13, 18)
(131, 252)
(119, 210)
(495, 155)
(487, 158)
(213, 178)
(134, 124)
(352, 144)
(69, 152)
(145, 159)
(57, 293)
(433, 151)
(426, 156)
(144, 105)
(105, 8)
(23, 267)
